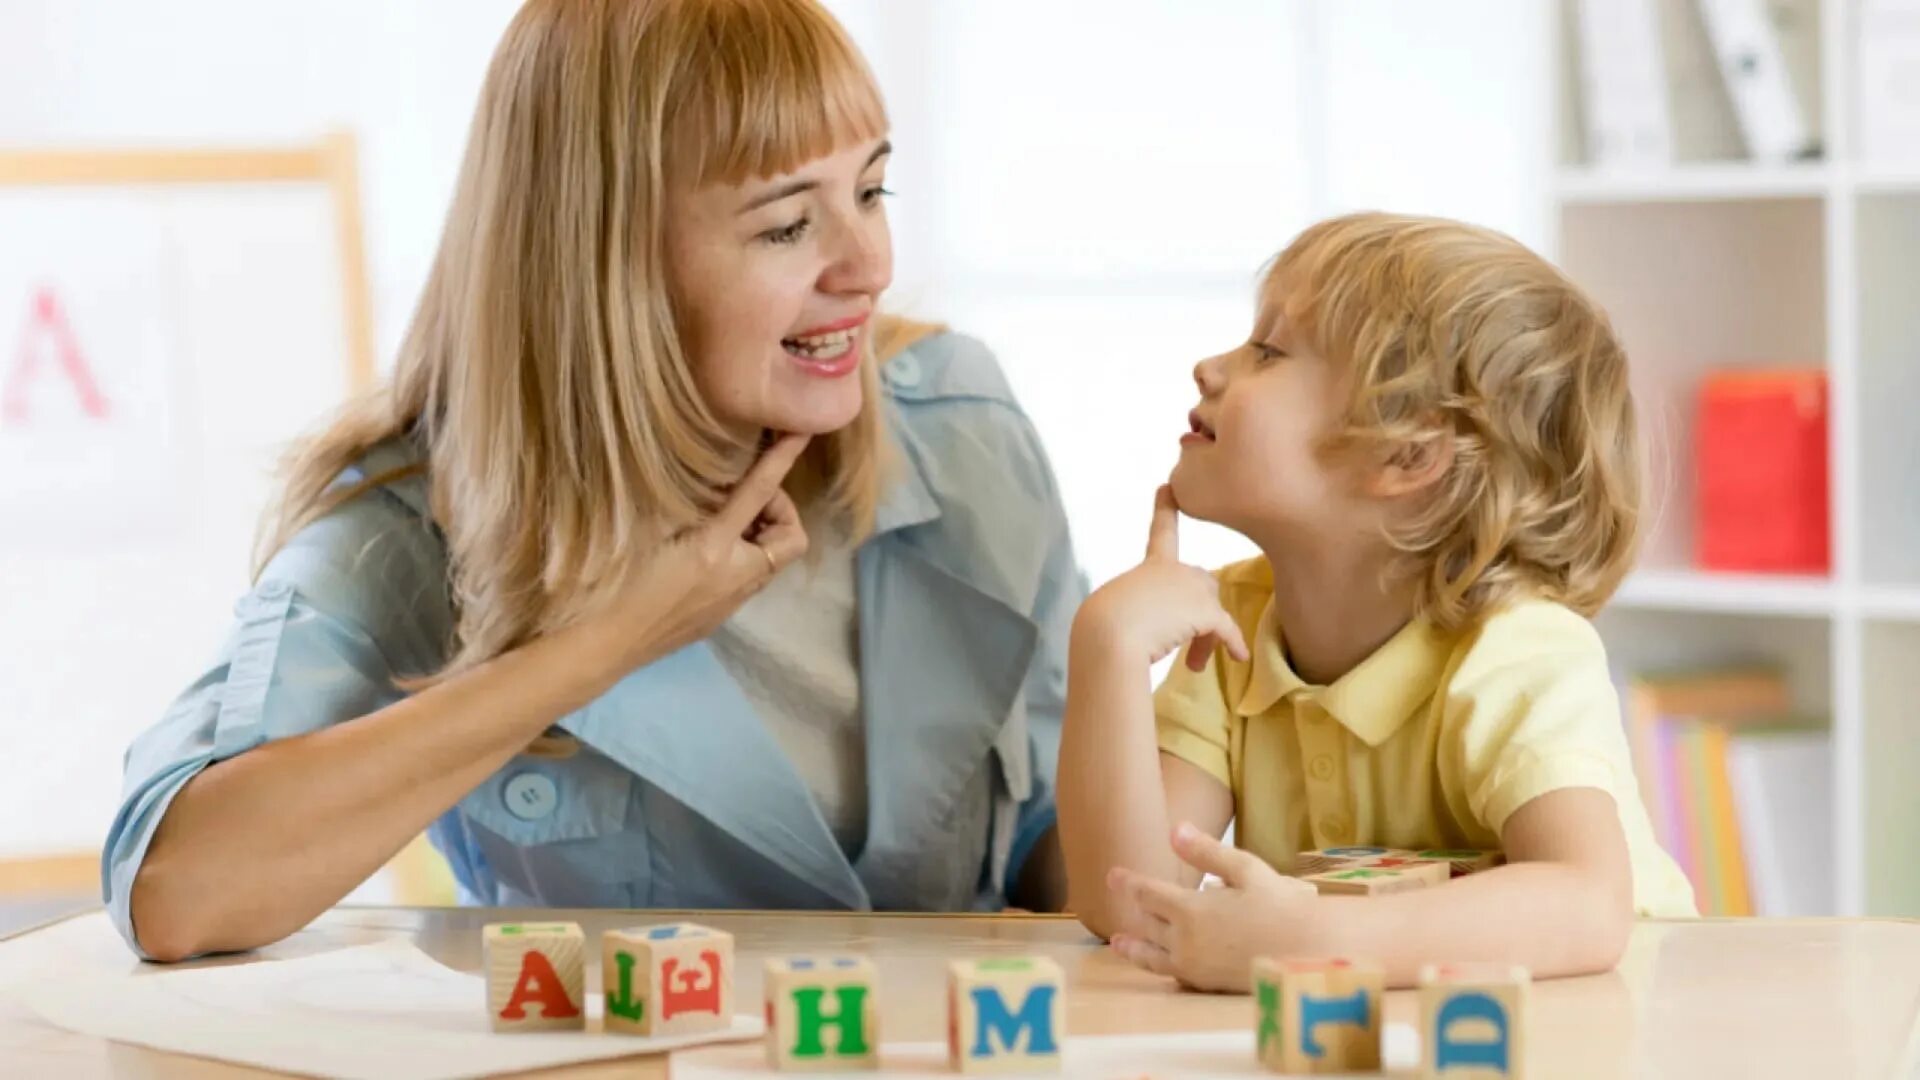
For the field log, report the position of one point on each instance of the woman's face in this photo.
(774, 284)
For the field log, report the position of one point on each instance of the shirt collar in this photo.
(1373, 699)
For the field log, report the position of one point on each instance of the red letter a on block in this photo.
(48, 321)
(539, 983)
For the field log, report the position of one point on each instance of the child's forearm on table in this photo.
(1551, 918)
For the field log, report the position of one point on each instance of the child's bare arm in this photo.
(1117, 791)
(1563, 905)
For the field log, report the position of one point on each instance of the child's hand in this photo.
(1209, 939)
(1162, 604)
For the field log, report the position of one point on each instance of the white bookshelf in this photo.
(1722, 263)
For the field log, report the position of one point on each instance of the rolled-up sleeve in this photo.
(316, 642)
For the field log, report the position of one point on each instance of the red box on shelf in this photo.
(1760, 472)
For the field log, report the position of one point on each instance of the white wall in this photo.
(1091, 188)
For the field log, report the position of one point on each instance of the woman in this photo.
(664, 573)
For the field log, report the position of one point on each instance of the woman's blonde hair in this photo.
(1454, 332)
(543, 372)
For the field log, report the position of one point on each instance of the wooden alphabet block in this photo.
(1005, 1015)
(1473, 1021)
(1378, 881)
(1318, 1016)
(1325, 859)
(821, 1015)
(674, 979)
(536, 976)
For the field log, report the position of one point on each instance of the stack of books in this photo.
(1739, 787)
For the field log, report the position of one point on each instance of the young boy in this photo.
(1429, 436)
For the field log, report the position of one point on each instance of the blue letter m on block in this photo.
(1035, 1018)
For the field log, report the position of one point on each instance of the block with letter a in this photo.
(536, 976)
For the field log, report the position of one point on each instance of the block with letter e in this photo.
(674, 979)
(1318, 1016)
(1473, 1021)
(821, 1014)
(1005, 1015)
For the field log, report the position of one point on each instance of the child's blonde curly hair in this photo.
(1458, 333)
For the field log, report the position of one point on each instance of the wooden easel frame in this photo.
(334, 162)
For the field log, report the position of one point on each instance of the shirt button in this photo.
(530, 796)
(1336, 829)
(1322, 767)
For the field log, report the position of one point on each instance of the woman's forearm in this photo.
(256, 846)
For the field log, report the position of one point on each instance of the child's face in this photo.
(1253, 461)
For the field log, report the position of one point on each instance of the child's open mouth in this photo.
(1198, 430)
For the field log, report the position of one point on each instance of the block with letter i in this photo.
(1006, 1015)
(675, 979)
(821, 1015)
(536, 976)
(1318, 1016)
(1473, 1021)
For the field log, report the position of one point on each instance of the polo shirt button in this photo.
(530, 796)
(1322, 767)
(1336, 829)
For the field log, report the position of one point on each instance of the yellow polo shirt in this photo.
(1432, 742)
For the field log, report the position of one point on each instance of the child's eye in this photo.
(871, 197)
(1266, 352)
(788, 234)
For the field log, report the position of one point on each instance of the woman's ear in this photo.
(1414, 465)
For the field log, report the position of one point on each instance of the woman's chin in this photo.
(814, 418)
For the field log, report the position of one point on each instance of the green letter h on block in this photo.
(850, 1020)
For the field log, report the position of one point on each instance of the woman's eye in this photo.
(787, 234)
(1266, 352)
(872, 196)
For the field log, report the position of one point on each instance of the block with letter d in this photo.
(536, 976)
(1006, 1015)
(1318, 1016)
(1473, 1021)
(675, 979)
(821, 1015)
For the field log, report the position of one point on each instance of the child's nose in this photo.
(1210, 376)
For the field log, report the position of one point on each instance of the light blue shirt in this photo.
(679, 796)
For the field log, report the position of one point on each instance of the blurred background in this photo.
(1090, 189)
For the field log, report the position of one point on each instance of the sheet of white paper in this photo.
(370, 1012)
(1118, 1057)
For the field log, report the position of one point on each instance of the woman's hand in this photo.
(1163, 603)
(686, 588)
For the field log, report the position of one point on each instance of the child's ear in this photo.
(1414, 466)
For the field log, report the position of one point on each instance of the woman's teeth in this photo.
(822, 346)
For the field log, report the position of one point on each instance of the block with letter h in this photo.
(1473, 1021)
(1318, 1016)
(675, 979)
(1005, 1015)
(536, 976)
(821, 1015)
